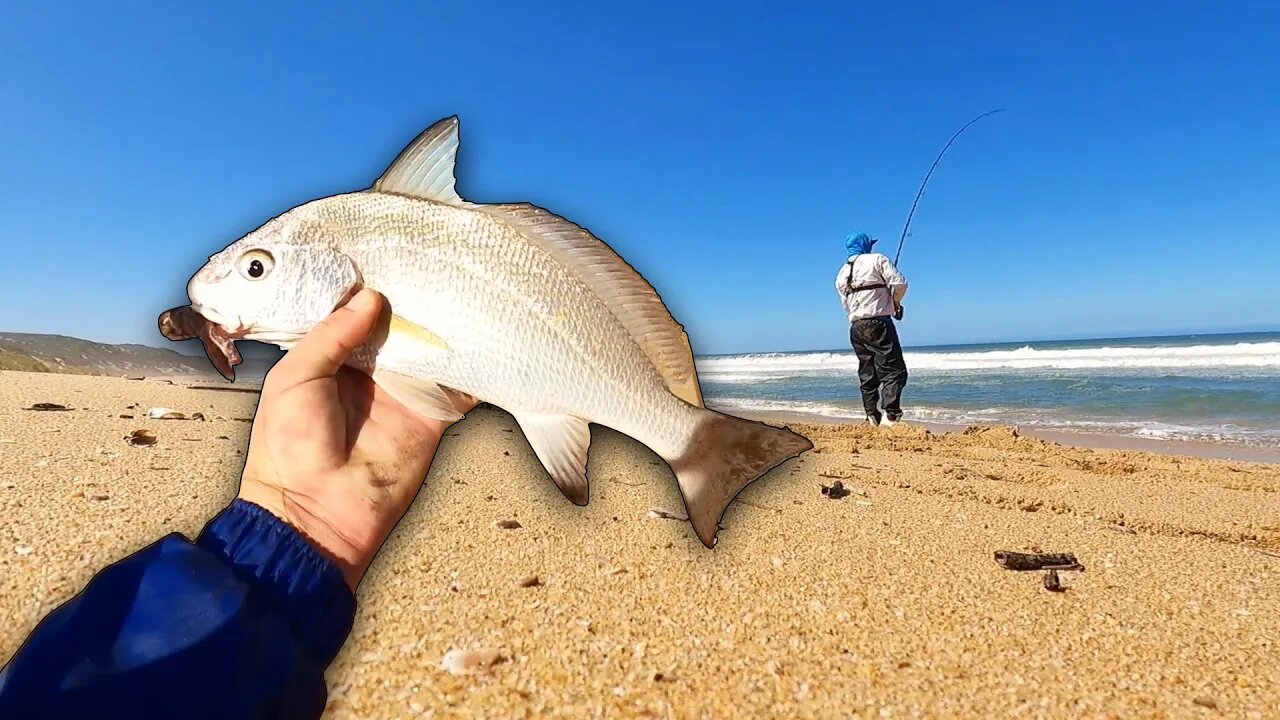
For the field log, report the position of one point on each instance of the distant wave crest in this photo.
(778, 366)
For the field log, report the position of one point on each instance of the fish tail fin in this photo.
(724, 455)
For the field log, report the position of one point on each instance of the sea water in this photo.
(1223, 388)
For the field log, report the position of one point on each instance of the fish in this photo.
(508, 303)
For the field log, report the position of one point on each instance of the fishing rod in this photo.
(929, 174)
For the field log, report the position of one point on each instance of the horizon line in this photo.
(273, 348)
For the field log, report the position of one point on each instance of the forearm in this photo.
(242, 623)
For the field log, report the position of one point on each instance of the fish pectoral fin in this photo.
(469, 399)
(414, 333)
(560, 442)
(422, 396)
(424, 169)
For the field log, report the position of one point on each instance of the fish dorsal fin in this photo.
(631, 299)
(424, 169)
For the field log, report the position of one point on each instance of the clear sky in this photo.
(724, 149)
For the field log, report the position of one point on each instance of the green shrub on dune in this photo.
(23, 363)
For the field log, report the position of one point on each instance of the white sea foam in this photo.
(1228, 432)
(778, 366)
(784, 406)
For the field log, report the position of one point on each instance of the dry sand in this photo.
(883, 604)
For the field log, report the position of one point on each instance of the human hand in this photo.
(331, 453)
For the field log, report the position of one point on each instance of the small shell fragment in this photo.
(24, 550)
(141, 438)
(470, 662)
(659, 514)
(530, 581)
(164, 413)
(509, 524)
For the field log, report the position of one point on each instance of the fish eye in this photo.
(255, 264)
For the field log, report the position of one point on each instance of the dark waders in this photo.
(882, 372)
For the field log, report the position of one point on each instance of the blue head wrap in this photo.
(858, 244)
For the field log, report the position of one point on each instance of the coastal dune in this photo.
(883, 603)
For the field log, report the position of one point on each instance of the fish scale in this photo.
(508, 303)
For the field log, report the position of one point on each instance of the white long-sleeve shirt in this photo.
(870, 269)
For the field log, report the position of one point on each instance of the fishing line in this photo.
(929, 174)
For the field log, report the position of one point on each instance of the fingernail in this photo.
(364, 300)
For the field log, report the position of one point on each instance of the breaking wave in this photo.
(777, 366)
(1177, 388)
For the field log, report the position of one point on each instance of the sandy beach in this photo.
(885, 603)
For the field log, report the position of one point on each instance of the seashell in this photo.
(470, 662)
(142, 438)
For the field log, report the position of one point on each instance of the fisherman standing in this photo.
(871, 290)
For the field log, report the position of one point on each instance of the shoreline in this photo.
(1206, 449)
(1081, 439)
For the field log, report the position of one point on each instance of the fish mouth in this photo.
(219, 333)
(234, 328)
(186, 322)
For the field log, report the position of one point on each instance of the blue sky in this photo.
(724, 149)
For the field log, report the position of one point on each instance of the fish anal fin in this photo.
(629, 297)
(425, 169)
(422, 396)
(560, 442)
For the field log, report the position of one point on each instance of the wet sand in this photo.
(886, 603)
(1074, 438)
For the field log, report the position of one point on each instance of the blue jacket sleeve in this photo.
(240, 624)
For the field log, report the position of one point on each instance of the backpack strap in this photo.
(848, 281)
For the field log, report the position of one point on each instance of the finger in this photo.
(322, 351)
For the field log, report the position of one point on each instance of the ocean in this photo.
(1222, 388)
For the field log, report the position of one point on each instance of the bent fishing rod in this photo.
(928, 175)
(897, 309)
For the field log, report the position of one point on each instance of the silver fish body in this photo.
(492, 297)
(508, 303)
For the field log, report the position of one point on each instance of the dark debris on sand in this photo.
(835, 490)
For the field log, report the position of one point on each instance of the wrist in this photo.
(303, 513)
(305, 587)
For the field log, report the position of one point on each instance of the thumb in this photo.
(325, 348)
